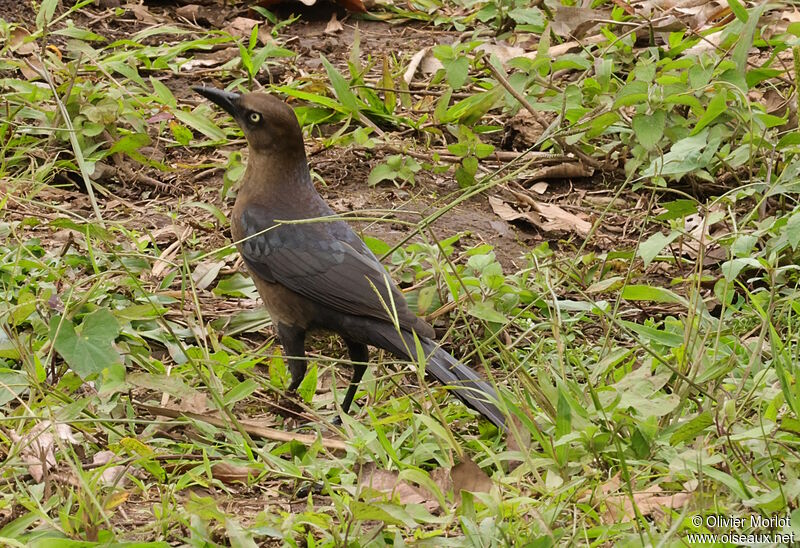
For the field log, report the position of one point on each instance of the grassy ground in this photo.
(595, 206)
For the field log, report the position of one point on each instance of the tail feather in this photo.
(466, 383)
(468, 386)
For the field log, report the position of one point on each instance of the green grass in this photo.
(650, 367)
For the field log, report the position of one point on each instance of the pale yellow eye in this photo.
(255, 117)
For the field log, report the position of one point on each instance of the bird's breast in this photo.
(286, 307)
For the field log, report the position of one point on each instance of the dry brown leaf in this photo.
(700, 239)
(202, 15)
(538, 188)
(651, 502)
(565, 170)
(559, 219)
(206, 272)
(231, 473)
(468, 476)
(38, 447)
(576, 21)
(408, 75)
(111, 475)
(142, 14)
(506, 212)
(389, 483)
(17, 42)
(242, 27)
(502, 51)
(195, 402)
(210, 59)
(334, 25)
(422, 60)
(710, 42)
(162, 235)
(189, 11)
(778, 23)
(166, 259)
(548, 217)
(524, 130)
(32, 69)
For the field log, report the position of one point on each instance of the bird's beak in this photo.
(227, 100)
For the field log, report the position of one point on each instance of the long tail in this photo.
(467, 385)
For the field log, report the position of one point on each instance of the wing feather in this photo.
(326, 264)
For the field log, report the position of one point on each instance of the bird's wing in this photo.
(314, 260)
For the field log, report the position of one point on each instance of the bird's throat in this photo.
(277, 181)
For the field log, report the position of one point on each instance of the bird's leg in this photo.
(294, 348)
(359, 355)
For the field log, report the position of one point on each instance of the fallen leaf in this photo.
(468, 476)
(560, 219)
(576, 21)
(651, 502)
(778, 23)
(160, 116)
(413, 65)
(210, 59)
(142, 14)
(166, 261)
(241, 27)
(206, 272)
(524, 130)
(230, 473)
(196, 402)
(37, 448)
(334, 25)
(503, 52)
(505, 211)
(162, 235)
(32, 69)
(189, 11)
(538, 188)
(389, 483)
(548, 217)
(18, 44)
(111, 475)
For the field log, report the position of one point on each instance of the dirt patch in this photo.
(14, 11)
(345, 172)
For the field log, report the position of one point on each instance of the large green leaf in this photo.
(341, 88)
(89, 349)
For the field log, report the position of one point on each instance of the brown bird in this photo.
(320, 274)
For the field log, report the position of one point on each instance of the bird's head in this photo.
(268, 123)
